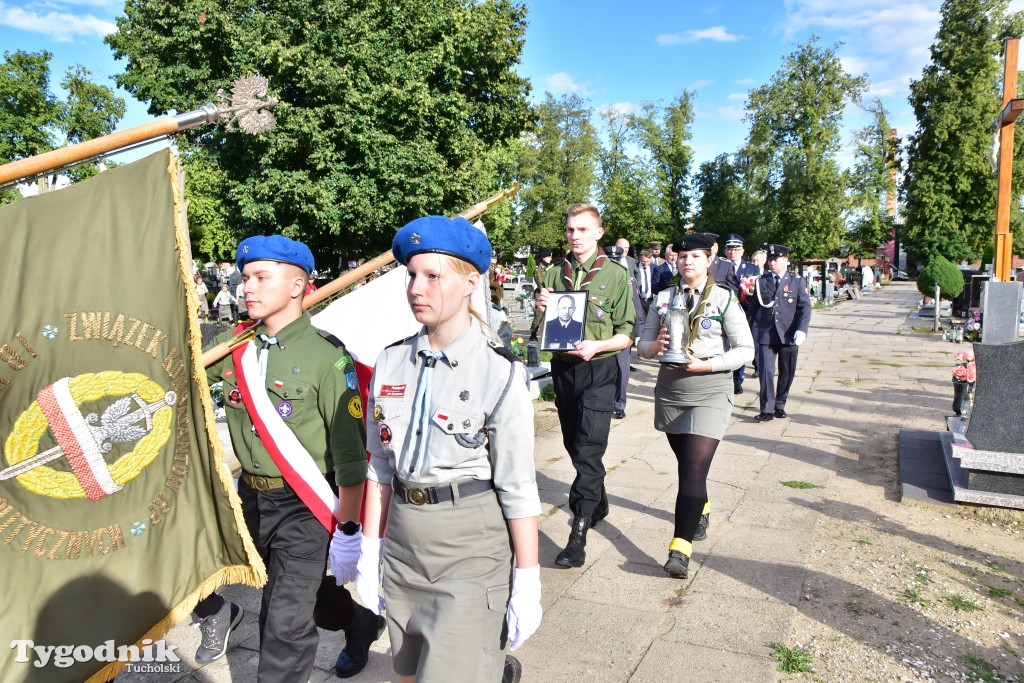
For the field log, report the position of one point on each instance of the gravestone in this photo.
(1001, 305)
(997, 423)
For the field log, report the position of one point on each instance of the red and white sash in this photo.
(285, 449)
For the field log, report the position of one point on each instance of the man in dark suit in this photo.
(721, 269)
(666, 271)
(563, 332)
(781, 309)
(741, 269)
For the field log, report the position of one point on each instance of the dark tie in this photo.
(647, 284)
(689, 298)
(776, 283)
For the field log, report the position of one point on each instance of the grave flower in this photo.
(964, 370)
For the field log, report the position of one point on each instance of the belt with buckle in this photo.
(261, 483)
(444, 493)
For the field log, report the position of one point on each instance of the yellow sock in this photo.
(682, 545)
(707, 508)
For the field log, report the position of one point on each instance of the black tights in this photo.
(693, 455)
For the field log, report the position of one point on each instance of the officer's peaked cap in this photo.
(274, 248)
(733, 240)
(774, 251)
(693, 241)
(452, 236)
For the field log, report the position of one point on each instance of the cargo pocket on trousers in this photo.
(497, 598)
(294, 595)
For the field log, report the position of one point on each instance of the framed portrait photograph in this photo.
(564, 319)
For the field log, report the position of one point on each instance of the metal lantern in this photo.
(677, 321)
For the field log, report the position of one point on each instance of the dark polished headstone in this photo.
(996, 482)
(997, 422)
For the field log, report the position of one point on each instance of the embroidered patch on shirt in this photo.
(705, 323)
(234, 397)
(385, 434)
(342, 362)
(229, 373)
(392, 391)
(351, 381)
(284, 409)
(378, 413)
(278, 384)
(355, 408)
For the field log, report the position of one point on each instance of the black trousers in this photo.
(773, 398)
(584, 394)
(622, 385)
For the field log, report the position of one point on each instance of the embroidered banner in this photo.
(117, 513)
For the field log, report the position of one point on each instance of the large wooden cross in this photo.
(1004, 124)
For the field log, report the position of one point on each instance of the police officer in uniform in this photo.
(452, 488)
(721, 269)
(585, 378)
(781, 310)
(311, 384)
(734, 256)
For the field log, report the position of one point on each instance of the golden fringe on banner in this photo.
(256, 574)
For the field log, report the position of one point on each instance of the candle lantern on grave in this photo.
(677, 322)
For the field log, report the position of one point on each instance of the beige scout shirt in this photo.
(466, 384)
(723, 335)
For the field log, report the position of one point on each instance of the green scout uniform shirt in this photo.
(608, 292)
(538, 277)
(318, 379)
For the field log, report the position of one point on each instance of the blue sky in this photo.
(612, 53)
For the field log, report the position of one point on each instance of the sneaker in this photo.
(366, 628)
(702, 528)
(215, 629)
(513, 670)
(678, 565)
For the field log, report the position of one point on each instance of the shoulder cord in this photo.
(760, 299)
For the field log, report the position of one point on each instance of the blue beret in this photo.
(733, 240)
(274, 248)
(452, 236)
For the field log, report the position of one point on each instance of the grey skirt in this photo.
(447, 575)
(686, 403)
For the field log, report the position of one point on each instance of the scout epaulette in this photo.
(331, 338)
(402, 341)
(504, 352)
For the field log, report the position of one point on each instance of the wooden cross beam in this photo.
(1012, 108)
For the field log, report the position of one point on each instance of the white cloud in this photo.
(62, 26)
(746, 81)
(735, 113)
(716, 33)
(561, 83)
(736, 97)
(619, 108)
(702, 83)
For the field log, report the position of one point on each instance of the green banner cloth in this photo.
(117, 513)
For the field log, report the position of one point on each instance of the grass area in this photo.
(995, 566)
(962, 604)
(800, 485)
(913, 596)
(888, 365)
(925, 330)
(981, 670)
(842, 360)
(863, 541)
(548, 393)
(994, 592)
(1008, 648)
(791, 661)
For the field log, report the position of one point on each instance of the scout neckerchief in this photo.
(591, 274)
(694, 318)
(291, 457)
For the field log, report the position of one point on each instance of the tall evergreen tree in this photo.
(950, 190)
(793, 141)
(871, 181)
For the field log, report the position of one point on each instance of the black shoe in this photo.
(601, 511)
(780, 413)
(513, 670)
(753, 375)
(575, 553)
(678, 565)
(632, 369)
(764, 417)
(737, 389)
(618, 414)
(215, 629)
(702, 528)
(366, 628)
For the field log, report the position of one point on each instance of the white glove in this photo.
(344, 555)
(524, 612)
(798, 337)
(368, 573)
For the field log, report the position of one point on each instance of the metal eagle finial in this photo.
(247, 109)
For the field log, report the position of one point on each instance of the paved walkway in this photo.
(620, 618)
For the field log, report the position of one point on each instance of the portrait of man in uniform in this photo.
(563, 323)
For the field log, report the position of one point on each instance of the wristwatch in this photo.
(350, 528)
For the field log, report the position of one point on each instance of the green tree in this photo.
(793, 141)
(629, 204)
(871, 181)
(949, 188)
(664, 133)
(941, 272)
(557, 167)
(34, 121)
(390, 109)
(727, 203)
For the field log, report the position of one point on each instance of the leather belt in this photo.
(439, 494)
(261, 483)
